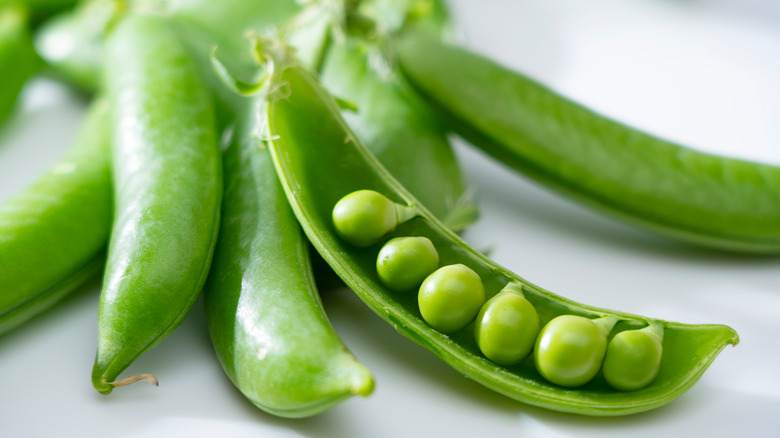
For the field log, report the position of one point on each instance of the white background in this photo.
(703, 73)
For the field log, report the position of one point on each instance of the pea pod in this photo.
(18, 61)
(53, 234)
(168, 185)
(704, 199)
(319, 160)
(398, 128)
(264, 314)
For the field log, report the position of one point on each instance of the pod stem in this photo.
(403, 213)
(514, 288)
(606, 323)
(133, 379)
(656, 328)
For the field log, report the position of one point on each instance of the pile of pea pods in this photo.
(219, 115)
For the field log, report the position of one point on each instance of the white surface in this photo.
(703, 73)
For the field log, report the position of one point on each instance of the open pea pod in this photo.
(319, 160)
(693, 196)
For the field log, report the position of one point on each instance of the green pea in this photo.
(507, 326)
(633, 358)
(570, 349)
(451, 297)
(404, 262)
(365, 216)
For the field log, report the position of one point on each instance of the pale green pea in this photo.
(451, 297)
(404, 262)
(633, 358)
(363, 217)
(507, 326)
(570, 349)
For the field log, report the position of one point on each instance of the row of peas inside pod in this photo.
(568, 351)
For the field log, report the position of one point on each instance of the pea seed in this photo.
(507, 326)
(404, 262)
(451, 297)
(570, 349)
(633, 358)
(363, 217)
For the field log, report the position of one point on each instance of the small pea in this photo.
(404, 262)
(450, 298)
(506, 327)
(633, 359)
(363, 217)
(570, 349)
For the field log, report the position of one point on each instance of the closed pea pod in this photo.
(18, 60)
(310, 159)
(704, 199)
(53, 234)
(167, 180)
(264, 314)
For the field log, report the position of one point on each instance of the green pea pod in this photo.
(71, 44)
(53, 234)
(168, 186)
(18, 61)
(319, 160)
(399, 129)
(40, 10)
(704, 199)
(264, 314)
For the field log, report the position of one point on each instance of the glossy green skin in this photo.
(40, 10)
(450, 298)
(705, 199)
(569, 350)
(633, 360)
(506, 328)
(53, 234)
(404, 262)
(311, 156)
(363, 217)
(260, 296)
(168, 186)
(18, 61)
(396, 125)
(71, 44)
(201, 23)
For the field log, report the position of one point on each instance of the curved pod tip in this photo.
(105, 387)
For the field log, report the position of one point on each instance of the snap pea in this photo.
(168, 185)
(71, 44)
(18, 60)
(40, 10)
(319, 160)
(398, 128)
(704, 199)
(264, 314)
(53, 234)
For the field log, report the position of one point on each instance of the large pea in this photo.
(404, 262)
(363, 217)
(450, 298)
(570, 349)
(633, 359)
(506, 327)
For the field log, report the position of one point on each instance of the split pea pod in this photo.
(396, 125)
(264, 313)
(319, 161)
(168, 187)
(53, 234)
(704, 199)
(18, 61)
